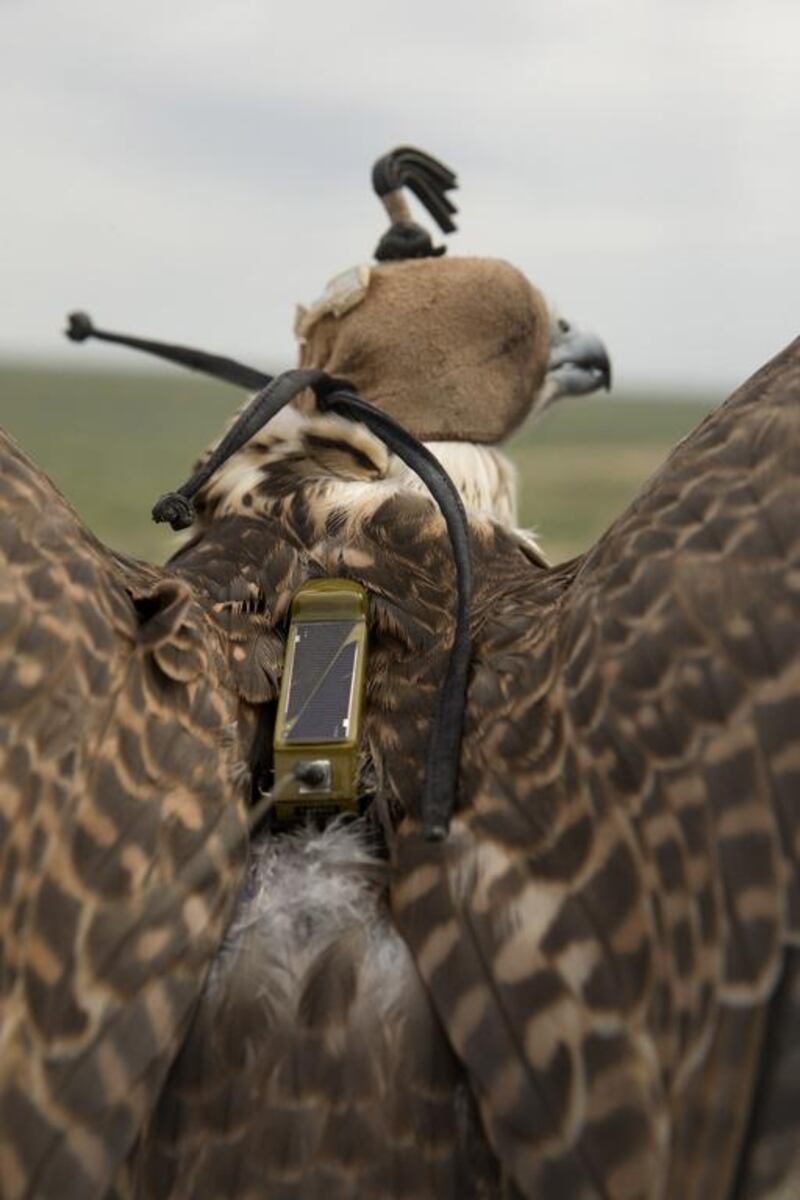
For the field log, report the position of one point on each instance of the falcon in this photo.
(553, 951)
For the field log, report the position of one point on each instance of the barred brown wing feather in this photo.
(770, 1160)
(623, 877)
(122, 836)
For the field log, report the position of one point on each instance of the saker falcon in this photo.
(574, 974)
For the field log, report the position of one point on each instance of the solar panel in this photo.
(319, 702)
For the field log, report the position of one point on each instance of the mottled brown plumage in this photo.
(122, 835)
(590, 989)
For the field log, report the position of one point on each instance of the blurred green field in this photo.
(114, 441)
(587, 459)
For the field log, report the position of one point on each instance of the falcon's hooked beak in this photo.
(578, 363)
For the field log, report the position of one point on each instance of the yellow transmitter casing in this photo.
(321, 703)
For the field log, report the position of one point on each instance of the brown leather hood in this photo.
(454, 348)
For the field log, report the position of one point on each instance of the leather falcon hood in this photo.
(455, 349)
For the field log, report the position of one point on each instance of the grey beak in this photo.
(578, 364)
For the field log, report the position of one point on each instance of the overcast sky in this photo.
(191, 168)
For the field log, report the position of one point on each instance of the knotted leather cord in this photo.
(444, 747)
(80, 328)
(176, 507)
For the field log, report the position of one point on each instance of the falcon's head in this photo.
(460, 351)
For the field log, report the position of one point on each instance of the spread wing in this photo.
(605, 927)
(122, 835)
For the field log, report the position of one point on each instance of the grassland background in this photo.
(114, 441)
